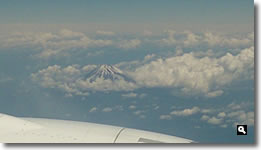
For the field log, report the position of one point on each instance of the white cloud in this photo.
(106, 33)
(72, 79)
(105, 85)
(60, 78)
(142, 116)
(221, 114)
(204, 117)
(227, 115)
(139, 112)
(129, 95)
(186, 112)
(62, 43)
(191, 39)
(133, 95)
(194, 75)
(132, 107)
(65, 33)
(209, 39)
(156, 107)
(186, 74)
(236, 106)
(165, 117)
(107, 109)
(93, 109)
(242, 117)
(214, 93)
(215, 120)
(131, 65)
(142, 95)
(149, 57)
(171, 37)
(206, 111)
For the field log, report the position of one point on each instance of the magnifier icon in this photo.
(241, 129)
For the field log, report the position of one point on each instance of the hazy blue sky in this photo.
(236, 14)
(187, 67)
(123, 11)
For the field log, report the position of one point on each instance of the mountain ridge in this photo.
(107, 72)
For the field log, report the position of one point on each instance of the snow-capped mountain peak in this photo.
(108, 69)
(107, 72)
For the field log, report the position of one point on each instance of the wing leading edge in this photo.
(38, 130)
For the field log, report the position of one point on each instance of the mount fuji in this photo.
(107, 72)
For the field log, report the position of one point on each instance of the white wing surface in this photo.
(36, 130)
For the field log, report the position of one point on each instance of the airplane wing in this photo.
(38, 130)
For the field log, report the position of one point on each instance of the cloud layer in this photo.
(188, 39)
(76, 80)
(187, 74)
(63, 43)
(239, 114)
(194, 75)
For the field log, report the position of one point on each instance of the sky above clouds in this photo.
(182, 68)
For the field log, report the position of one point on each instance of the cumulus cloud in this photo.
(132, 107)
(235, 116)
(206, 111)
(207, 39)
(186, 112)
(185, 74)
(131, 65)
(221, 115)
(193, 75)
(93, 109)
(105, 85)
(239, 106)
(129, 95)
(242, 117)
(156, 107)
(138, 112)
(77, 80)
(204, 117)
(65, 33)
(134, 95)
(142, 116)
(165, 117)
(215, 120)
(142, 95)
(211, 120)
(214, 93)
(48, 44)
(231, 42)
(107, 109)
(191, 39)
